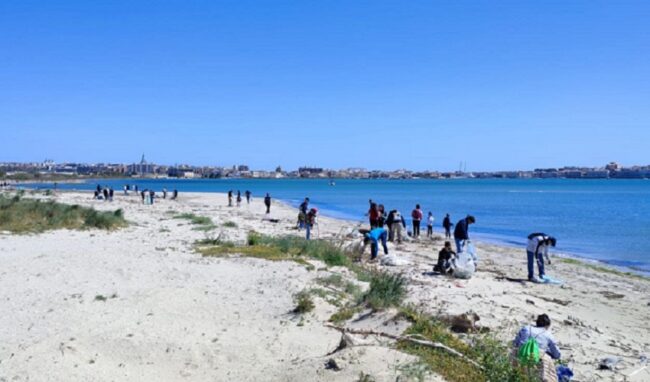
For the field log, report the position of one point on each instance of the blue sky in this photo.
(376, 84)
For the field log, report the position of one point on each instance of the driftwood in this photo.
(422, 342)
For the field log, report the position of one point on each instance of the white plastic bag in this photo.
(392, 260)
(463, 265)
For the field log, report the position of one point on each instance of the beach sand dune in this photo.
(139, 304)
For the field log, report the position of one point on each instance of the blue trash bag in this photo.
(564, 374)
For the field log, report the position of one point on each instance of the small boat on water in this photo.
(332, 182)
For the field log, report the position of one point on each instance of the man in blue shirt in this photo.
(375, 236)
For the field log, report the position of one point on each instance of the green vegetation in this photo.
(230, 224)
(492, 355)
(21, 215)
(285, 248)
(203, 223)
(304, 302)
(386, 290)
(603, 269)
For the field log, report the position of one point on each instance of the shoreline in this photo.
(162, 286)
(586, 258)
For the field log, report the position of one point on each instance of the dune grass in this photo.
(491, 354)
(24, 215)
(284, 248)
(194, 219)
(386, 290)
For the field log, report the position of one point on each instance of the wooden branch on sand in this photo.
(435, 345)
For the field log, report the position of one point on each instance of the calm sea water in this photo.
(606, 220)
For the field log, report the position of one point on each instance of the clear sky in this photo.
(375, 84)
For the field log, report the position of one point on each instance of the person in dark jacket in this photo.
(447, 224)
(461, 233)
(230, 198)
(267, 203)
(444, 259)
(248, 197)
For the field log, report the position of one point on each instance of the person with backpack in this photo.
(535, 346)
(537, 250)
(267, 203)
(310, 221)
(416, 214)
(447, 224)
(461, 233)
(430, 220)
(396, 223)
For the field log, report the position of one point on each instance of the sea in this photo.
(606, 220)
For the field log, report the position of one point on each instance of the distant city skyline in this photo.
(374, 84)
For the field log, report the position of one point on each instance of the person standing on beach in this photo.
(164, 191)
(175, 194)
(430, 220)
(416, 214)
(397, 223)
(126, 189)
(302, 213)
(230, 198)
(310, 221)
(152, 194)
(267, 203)
(248, 197)
(110, 193)
(447, 224)
(373, 215)
(238, 198)
(382, 216)
(105, 192)
(537, 250)
(461, 233)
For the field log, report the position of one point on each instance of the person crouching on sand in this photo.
(537, 250)
(546, 345)
(374, 237)
(445, 256)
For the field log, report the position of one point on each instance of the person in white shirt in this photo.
(537, 250)
(430, 220)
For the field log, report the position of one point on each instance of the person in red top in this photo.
(417, 218)
(373, 214)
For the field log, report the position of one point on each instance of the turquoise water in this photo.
(607, 220)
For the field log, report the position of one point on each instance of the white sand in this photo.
(179, 317)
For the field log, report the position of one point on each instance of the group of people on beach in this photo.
(148, 196)
(247, 193)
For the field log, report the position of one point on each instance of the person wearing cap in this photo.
(461, 232)
(310, 220)
(537, 250)
(374, 237)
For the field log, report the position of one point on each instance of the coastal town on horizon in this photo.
(143, 168)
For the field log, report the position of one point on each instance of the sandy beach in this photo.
(140, 304)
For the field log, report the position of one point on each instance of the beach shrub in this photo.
(21, 215)
(492, 355)
(304, 302)
(386, 290)
(195, 219)
(230, 224)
